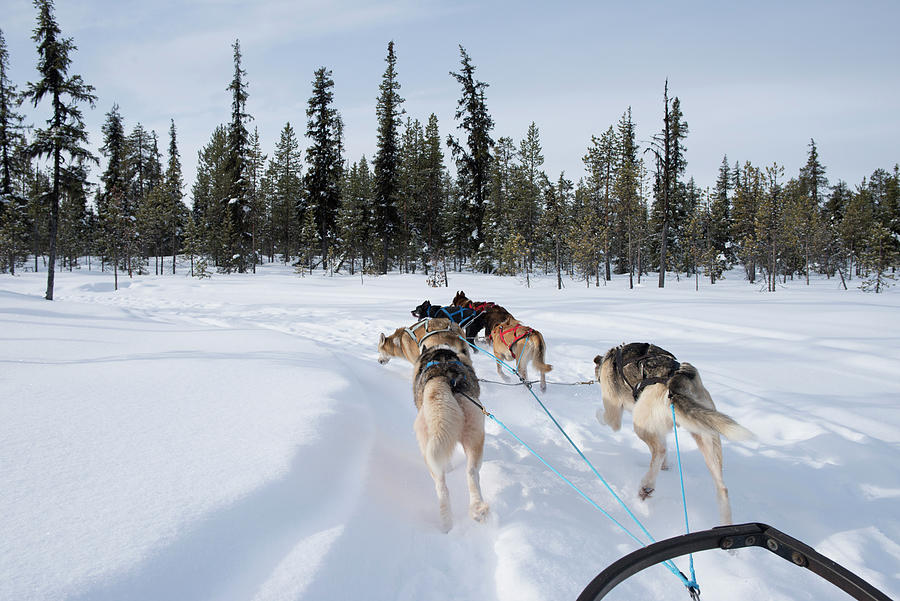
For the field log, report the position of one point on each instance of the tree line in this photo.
(634, 212)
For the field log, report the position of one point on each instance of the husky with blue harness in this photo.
(410, 341)
(445, 391)
(470, 320)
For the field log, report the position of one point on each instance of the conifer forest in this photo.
(435, 197)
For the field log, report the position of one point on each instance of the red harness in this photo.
(479, 306)
(526, 331)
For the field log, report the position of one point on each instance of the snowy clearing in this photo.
(236, 439)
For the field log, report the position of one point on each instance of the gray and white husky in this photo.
(445, 417)
(646, 380)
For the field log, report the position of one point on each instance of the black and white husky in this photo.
(446, 416)
(646, 380)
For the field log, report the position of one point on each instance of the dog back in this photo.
(443, 362)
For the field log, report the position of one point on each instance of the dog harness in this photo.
(645, 381)
(526, 331)
(411, 330)
(444, 358)
(461, 315)
(479, 306)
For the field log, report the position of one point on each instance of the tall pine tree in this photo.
(473, 161)
(174, 185)
(65, 133)
(239, 246)
(387, 156)
(323, 156)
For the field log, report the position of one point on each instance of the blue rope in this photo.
(668, 563)
(687, 526)
(519, 358)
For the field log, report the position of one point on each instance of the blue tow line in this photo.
(691, 584)
(687, 526)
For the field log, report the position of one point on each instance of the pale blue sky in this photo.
(756, 80)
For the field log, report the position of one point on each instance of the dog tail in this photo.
(538, 358)
(444, 420)
(696, 418)
(684, 389)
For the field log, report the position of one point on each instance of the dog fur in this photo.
(401, 344)
(446, 417)
(492, 315)
(531, 348)
(681, 387)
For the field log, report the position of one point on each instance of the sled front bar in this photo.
(753, 534)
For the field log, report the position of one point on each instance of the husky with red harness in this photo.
(493, 313)
(513, 341)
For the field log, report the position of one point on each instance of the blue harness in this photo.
(462, 315)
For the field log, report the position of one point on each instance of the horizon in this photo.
(172, 61)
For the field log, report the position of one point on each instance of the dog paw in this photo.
(446, 524)
(645, 492)
(479, 511)
(543, 387)
(664, 467)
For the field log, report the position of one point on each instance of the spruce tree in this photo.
(500, 210)
(668, 210)
(433, 194)
(238, 199)
(720, 213)
(11, 127)
(880, 258)
(387, 156)
(473, 161)
(769, 223)
(410, 184)
(65, 133)
(600, 163)
(115, 209)
(356, 214)
(812, 180)
(529, 192)
(555, 221)
(744, 233)
(13, 164)
(256, 161)
(323, 157)
(856, 226)
(627, 192)
(287, 192)
(174, 185)
(210, 187)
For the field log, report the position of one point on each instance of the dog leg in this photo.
(657, 444)
(501, 372)
(473, 445)
(437, 474)
(711, 447)
(612, 413)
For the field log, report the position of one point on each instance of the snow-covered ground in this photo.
(235, 438)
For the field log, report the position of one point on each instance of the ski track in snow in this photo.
(236, 439)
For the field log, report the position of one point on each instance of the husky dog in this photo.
(408, 342)
(493, 313)
(514, 342)
(468, 319)
(445, 416)
(646, 379)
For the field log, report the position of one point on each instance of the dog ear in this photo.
(382, 339)
(598, 359)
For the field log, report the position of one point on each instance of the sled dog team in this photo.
(639, 377)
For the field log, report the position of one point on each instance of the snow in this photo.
(235, 438)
